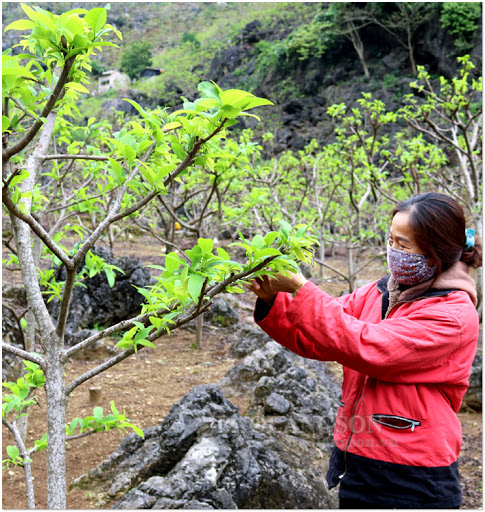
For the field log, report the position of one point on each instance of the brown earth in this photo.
(146, 385)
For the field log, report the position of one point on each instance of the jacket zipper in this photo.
(411, 423)
(352, 428)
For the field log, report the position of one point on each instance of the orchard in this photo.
(69, 183)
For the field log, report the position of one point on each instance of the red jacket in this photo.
(404, 376)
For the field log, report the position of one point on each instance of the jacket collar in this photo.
(457, 277)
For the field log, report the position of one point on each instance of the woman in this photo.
(406, 343)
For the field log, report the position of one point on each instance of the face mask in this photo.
(408, 268)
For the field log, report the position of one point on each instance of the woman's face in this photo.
(401, 235)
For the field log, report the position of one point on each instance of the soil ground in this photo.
(146, 385)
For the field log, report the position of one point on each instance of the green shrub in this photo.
(136, 57)
(461, 21)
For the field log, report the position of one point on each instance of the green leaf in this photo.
(264, 253)
(195, 284)
(209, 90)
(118, 170)
(21, 25)
(96, 18)
(172, 262)
(98, 412)
(40, 17)
(206, 245)
(285, 228)
(77, 87)
(271, 237)
(178, 150)
(222, 253)
(137, 106)
(110, 275)
(137, 430)
(129, 153)
(20, 177)
(235, 289)
(146, 343)
(171, 126)
(114, 410)
(13, 452)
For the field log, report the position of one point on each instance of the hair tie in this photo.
(470, 238)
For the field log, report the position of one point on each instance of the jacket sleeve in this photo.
(413, 347)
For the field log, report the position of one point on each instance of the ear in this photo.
(431, 262)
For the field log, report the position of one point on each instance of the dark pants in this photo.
(349, 503)
(346, 503)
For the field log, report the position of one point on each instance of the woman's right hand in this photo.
(262, 288)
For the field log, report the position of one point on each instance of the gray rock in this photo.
(248, 339)
(268, 361)
(14, 304)
(206, 456)
(279, 382)
(275, 403)
(222, 313)
(101, 304)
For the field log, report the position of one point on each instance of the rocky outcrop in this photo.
(102, 305)
(14, 305)
(288, 393)
(205, 456)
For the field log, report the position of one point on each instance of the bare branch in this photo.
(36, 228)
(34, 358)
(76, 157)
(326, 265)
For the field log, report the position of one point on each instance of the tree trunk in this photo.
(358, 46)
(351, 267)
(322, 251)
(56, 419)
(30, 331)
(199, 326)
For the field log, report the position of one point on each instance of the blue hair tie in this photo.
(470, 238)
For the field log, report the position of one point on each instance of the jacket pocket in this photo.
(397, 422)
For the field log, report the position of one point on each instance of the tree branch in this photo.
(36, 228)
(191, 314)
(34, 358)
(29, 136)
(26, 459)
(76, 157)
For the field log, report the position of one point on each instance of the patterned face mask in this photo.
(408, 268)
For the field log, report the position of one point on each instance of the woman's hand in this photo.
(262, 288)
(266, 287)
(287, 284)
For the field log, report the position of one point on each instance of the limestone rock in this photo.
(101, 304)
(205, 455)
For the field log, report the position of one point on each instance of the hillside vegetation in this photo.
(301, 56)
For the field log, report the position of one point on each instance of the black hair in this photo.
(439, 226)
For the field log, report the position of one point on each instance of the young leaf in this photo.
(195, 286)
(206, 244)
(13, 452)
(208, 90)
(96, 18)
(21, 25)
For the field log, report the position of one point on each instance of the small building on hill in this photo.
(150, 72)
(110, 79)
